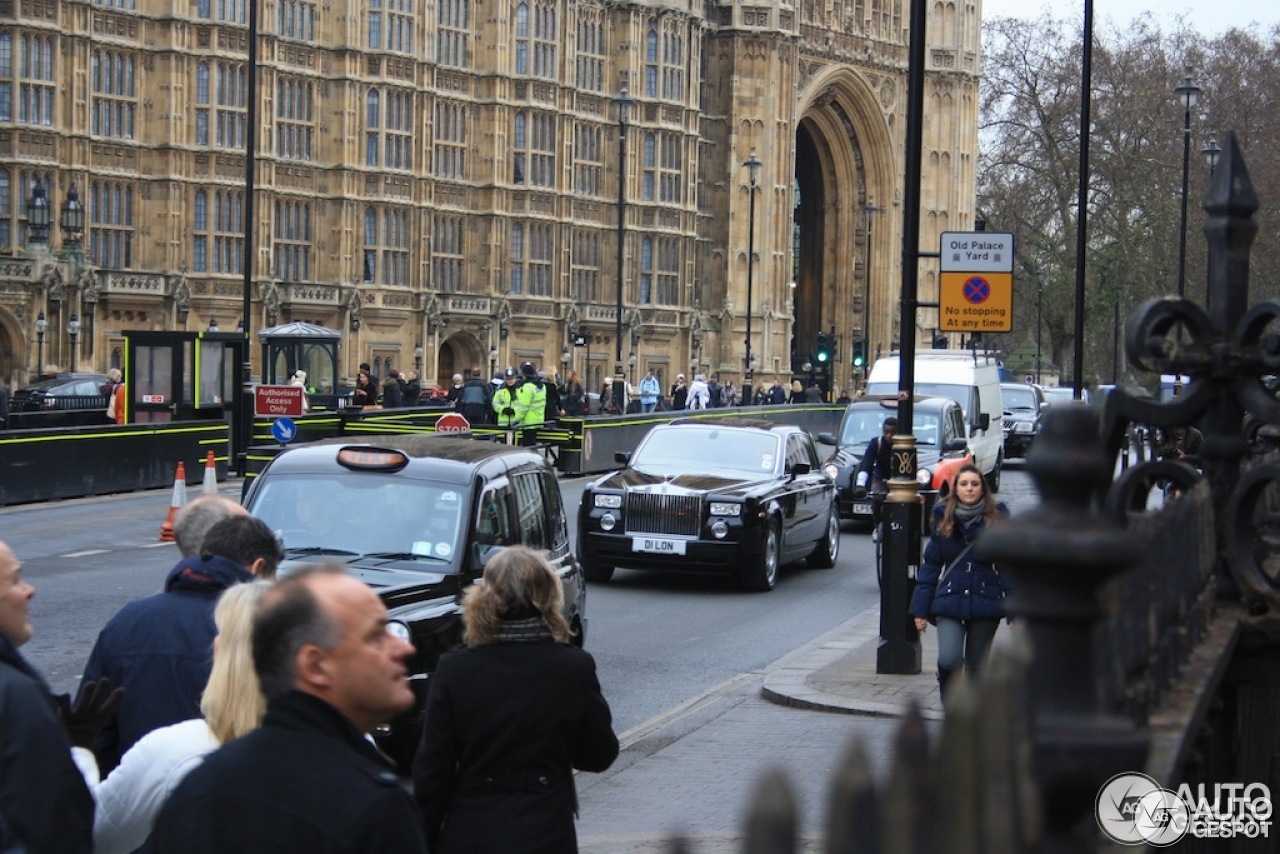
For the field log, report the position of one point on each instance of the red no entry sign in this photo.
(452, 422)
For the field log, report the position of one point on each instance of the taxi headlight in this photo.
(399, 630)
(924, 477)
(725, 508)
(612, 502)
(831, 470)
(607, 522)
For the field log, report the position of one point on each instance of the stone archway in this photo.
(460, 353)
(14, 356)
(844, 160)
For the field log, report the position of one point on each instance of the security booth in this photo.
(181, 376)
(298, 345)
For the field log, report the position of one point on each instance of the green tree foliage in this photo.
(1029, 166)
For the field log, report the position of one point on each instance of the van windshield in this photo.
(959, 393)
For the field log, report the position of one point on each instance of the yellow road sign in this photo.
(975, 302)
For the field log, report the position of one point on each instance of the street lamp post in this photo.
(1211, 154)
(753, 165)
(1039, 299)
(1187, 92)
(41, 326)
(73, 329)
(493, 361)
(417, 356)
(624, 102)
(871, 210)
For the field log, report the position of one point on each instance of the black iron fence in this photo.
(1149, 607)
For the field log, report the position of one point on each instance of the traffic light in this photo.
(826, 347)
(859, 353)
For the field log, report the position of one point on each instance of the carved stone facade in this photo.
(450, 179)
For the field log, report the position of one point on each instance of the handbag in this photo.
(942, 576)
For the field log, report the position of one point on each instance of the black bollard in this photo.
(899, 649)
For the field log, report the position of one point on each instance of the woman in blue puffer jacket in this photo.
(968, 603)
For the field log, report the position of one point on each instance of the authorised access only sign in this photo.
(975, 291)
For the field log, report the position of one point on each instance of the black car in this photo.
(62, 392)
(416, 518)
(736, 497)
(1023, 405)
(941, 447)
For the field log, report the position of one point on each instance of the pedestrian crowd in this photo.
(234, 712)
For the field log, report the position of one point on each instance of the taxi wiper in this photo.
(317, 550)
(405, 556)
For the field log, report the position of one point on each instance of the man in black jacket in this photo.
(308, 780)
(43, 798)
(160, 649)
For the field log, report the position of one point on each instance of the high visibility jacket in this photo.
(505, 399)
(531, 403)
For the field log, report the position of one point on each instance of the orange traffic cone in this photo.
(175, 503)
(210, 486)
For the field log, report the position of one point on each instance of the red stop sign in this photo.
(452, 422)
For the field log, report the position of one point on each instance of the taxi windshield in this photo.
(724, 452)
(366, 514)
(863, 424)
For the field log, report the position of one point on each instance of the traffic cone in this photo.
(175, 503)
(210, 486)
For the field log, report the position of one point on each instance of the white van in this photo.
(971, 380)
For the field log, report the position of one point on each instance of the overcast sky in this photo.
(1208, 16)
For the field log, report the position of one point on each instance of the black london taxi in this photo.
(737, 497)
(416, 517)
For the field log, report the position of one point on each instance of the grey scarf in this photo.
(967, 514)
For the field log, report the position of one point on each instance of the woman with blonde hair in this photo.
(510, 715)
(131, 797)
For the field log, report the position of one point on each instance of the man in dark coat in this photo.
(160, 649)
(43, 798)
(475, 399)
(308, 780)
(392, 392)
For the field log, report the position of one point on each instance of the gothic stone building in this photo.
(446, 175)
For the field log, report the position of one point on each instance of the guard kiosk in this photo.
(307, 346)
(181, 376)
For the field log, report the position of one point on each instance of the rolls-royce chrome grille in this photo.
(677, 515)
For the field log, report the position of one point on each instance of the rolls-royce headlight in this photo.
(607, 522)
(720, 530)
(924, 477)
(612, 502)
(725, 508)
(399, 630)
(831, 470)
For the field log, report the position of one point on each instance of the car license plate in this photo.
(862, 509)
(657, 545)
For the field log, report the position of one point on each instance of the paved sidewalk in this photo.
(694, 774)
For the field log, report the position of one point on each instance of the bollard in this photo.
(899, 649)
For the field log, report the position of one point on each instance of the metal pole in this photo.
(1182, 223)
(242, 415)
(871, 210)
(753, 165)
(899, 648)
(623, 101)
(1082, 198)
(1039, 299)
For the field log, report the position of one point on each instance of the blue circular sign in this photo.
(284, 430)
(976, 290)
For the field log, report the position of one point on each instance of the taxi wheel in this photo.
(763, 577)
(828, 548)
(596, 572)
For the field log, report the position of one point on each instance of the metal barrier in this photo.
(43, 465)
